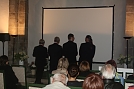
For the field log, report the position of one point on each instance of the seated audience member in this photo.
(59, 81)
(73, 72)
(84, 69)
(62, 66)
(93, 81)
(108, 73)
(10, 78)
(117, 76)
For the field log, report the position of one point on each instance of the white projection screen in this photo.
(97, 22)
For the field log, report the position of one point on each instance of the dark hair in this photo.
(70, 35)
(89, 38)
(93, 81)
(57, 39)
(41, 41)
(112, 62)
(3, 60)
(73, 70)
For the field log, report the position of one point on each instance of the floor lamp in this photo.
(4, 37)
(127, 38)
(14, 36)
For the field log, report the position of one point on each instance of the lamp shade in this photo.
(4, 37)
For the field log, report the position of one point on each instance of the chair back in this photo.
(71, 87)
(127, 74)
(2, 82)
(95, 71)
(128, 83)
(120, 73)
(35, 86)
(20, 72)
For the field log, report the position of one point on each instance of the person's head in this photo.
(93, 81)
(73, 71)
(70, 37)
(108, 71)
(112, 62)
(57, 40)
(88, 38)
(63, 63)
(84, 66)
(3, 60)
(59, 77)
(41, 42)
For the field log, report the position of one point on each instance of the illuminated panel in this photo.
(4, 16)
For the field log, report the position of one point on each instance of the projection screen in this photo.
(97, 22)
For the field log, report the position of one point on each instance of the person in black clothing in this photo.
(55, 53)
(70, 49)
(84, 69)
(73, 72)
(11, 80)
(87, 51)
(40, 54)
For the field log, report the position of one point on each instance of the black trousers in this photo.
(39, 73)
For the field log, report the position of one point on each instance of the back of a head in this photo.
(59, 77)
(70, 36)
(89, 39)
(93, 81)
(73, 70)
(63, 63)
(84, 66)
(3, 60)
(108, 71)
(112, 62)
(41, 42)
(57, 39)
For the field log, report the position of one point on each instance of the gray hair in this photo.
(108, 71)
(59, 77)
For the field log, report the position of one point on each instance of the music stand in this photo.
(14, 36)
(4, 37)
(127, 38)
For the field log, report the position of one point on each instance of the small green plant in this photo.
(123, 59)
(20, 56)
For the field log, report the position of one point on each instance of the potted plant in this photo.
(21, 56)
(123, 59)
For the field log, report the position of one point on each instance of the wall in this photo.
(35, 16)
(4, 15)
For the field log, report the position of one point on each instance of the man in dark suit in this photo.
(87, 51)
(70, 49)
(55, 53)
(40, 54)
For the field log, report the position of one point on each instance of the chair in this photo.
(2, 82)
(120, 73)
(127, 74)
(20, 72)
(35, 86)
(71, 87)
(128, 83)
(95, 71)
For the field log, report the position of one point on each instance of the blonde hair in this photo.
(84, 66)
(63, 63)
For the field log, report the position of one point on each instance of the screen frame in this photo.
(83, 8)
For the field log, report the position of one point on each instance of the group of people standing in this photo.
(55, 52)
